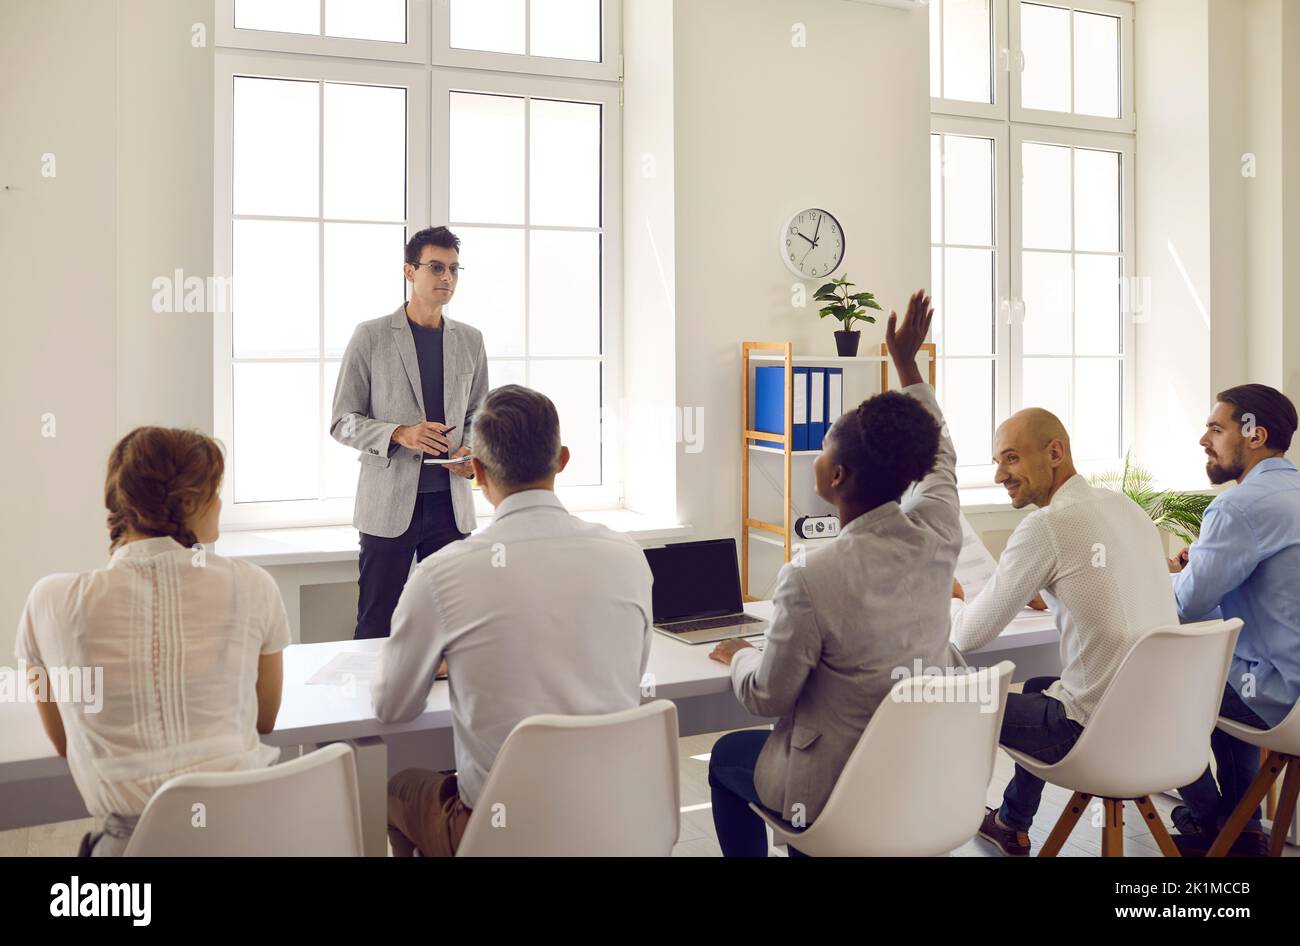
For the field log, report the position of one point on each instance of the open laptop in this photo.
(697, 592)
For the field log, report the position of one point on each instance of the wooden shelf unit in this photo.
(783, 353)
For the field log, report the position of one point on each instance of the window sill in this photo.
(324, 544)
(985, 499)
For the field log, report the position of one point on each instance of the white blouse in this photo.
(175, 637)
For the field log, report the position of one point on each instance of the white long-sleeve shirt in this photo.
(1098, 560)
(541, 612)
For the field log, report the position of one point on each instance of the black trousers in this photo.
(385, 563)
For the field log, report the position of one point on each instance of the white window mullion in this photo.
(1122, 11)
(996, 38)
(443, 53)
(315, 508)
(415, 49)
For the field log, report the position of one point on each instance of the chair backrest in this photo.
(1284, 737)
(582, 785)
(917, 781)
(1151, 729)
(305, 807)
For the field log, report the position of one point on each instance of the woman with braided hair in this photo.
(175, 650)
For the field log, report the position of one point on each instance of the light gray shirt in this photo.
(873, 600)
(540, 612)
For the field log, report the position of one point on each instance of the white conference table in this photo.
(36, 787)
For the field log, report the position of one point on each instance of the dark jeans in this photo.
(741, 833)
(1035, 724)
(1237, 763)
(385, 563)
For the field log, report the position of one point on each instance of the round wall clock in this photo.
(812, 243)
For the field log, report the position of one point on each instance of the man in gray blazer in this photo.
(408, 388)
(871, 602)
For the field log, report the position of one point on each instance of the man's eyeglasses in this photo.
(438, 268)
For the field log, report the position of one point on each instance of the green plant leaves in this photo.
(1175, 512)
(846, 306)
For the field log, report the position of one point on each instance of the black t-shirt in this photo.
(428, 350)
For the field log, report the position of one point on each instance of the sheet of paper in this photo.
(343, 669)
(975, 565)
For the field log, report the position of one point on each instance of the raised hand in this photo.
(904, 339)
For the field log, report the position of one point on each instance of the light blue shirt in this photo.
(1246, 563)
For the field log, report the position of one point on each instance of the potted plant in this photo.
(848, 307)
(1177, 513)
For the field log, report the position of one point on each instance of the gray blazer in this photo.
(379, 390)
(873, 600)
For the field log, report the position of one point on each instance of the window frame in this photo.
(414, 50)
(289, 512)
(999, 62)
(1010, 127)
(610, 68)
(333, 59)
(445, 81)
(981, 473)
(1078, 138)
(1126, 123)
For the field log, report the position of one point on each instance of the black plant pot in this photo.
(846, 343)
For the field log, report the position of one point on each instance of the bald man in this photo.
(1100, 564)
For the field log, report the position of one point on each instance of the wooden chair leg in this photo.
(1268, 773)
(1285, 807)
(1157, 827)
(1112, 829)
(1270, 802)
(1065, 824)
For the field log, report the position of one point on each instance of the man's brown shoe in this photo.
(1009, 841)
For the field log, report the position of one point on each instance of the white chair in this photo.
(309, 807)
(1150, 732)
(1282, 743)
(585, 786)
(916, 783)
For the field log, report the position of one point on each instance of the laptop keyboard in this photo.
(708, 624)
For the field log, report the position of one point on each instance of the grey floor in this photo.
(697, 837)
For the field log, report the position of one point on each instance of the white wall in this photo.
(1217, 80)
(120, 97)
(648, 409)
(164, 210)
(1289, 262)
(764, 128)
(1173, 233)
(58, 258)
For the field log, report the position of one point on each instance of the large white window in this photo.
(1032, 220)
(536, 205)
(326, 164)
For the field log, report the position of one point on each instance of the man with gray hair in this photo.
(540, 612)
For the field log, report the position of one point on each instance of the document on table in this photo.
(975, 566)
(344, 669)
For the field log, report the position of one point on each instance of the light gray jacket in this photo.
(872, 600)
(379, 390)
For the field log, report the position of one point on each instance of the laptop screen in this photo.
(695, 580)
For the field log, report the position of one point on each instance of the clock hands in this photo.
(813, 242)
(817, 230)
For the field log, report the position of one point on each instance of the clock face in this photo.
(812, 244)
